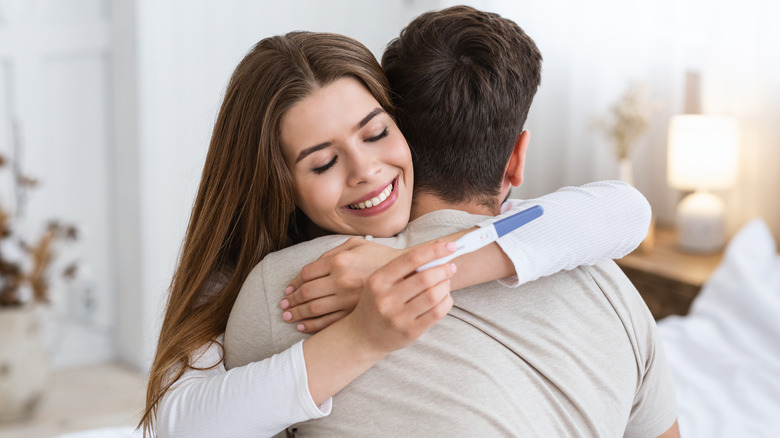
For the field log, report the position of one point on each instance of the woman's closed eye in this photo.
(381, 135)
(322, 169)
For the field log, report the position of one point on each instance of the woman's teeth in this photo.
(376, 200)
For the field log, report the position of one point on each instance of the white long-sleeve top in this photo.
(580, 225)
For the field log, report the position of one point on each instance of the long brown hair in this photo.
(245, 203)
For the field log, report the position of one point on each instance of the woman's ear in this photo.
(514, 168)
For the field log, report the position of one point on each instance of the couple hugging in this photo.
(279, 323)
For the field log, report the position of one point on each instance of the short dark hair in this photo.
(463, 81)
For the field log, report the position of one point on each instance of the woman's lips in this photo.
(386, 200)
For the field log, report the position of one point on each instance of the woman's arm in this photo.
(264, 397)
(259, 399)
(581, 226)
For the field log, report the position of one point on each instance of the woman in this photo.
(250, 202)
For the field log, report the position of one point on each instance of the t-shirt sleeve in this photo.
(580, 226)
(259, 399)
(653, 408)
(655, 404)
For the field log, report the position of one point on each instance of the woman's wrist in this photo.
(336, 356)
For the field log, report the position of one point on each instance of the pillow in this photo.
(743, 294)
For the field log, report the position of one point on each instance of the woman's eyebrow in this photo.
(368, 118)
(308, 151)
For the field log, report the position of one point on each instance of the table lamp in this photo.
(702, 156)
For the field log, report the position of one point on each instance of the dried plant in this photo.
(627, 119)
(33, 270)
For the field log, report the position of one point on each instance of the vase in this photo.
(627, 171)
(24, 369)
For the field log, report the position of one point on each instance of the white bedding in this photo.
(725, 354)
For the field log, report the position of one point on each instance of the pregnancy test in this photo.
(487, 235)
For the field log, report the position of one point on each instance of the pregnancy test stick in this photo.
(486, 235)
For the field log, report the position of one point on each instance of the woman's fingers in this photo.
(347, 289)
(323, 266)
(417, 283)
(424, 280)
(401, 303)
(314, 270)
(319, 307)
(312, 290)
(317, 324)
(437, 312)
(405, 265)
(308, 301)
(428, 299)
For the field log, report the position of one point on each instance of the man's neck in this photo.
(425, 203)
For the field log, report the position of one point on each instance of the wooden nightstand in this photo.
(667, 278)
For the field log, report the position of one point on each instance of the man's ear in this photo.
(514, 168)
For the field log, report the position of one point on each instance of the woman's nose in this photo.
(363, 168)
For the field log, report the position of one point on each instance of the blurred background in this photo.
(109, 105)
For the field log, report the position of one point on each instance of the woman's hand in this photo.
(329, 288)
(399, 304)
(396, 307)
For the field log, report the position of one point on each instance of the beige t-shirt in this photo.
(571, 354)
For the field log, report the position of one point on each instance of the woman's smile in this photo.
(376, 201)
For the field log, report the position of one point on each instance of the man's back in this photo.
(571, 354)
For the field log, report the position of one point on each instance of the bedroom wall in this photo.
(592, 50)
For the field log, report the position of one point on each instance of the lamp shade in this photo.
(703, 152)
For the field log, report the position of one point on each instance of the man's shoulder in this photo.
(609, 282)
(296, 256)
(320, 245)
(255, 329)
(617, 288)
(629, 307)
(283, 265)
(600, 293)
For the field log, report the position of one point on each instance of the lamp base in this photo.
(701, 226)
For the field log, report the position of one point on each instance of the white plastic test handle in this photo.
(466, 244)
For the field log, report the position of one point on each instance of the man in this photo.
(572, 354)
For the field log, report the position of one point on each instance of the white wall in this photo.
(592, 50)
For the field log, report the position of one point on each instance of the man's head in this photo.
(463, 81)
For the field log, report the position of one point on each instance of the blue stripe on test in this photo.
(517, 220)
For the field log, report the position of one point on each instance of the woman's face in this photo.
(351, 165)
